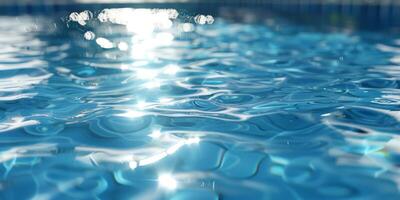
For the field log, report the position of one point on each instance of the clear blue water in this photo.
(148, 105)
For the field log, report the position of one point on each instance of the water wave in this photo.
(156, 104)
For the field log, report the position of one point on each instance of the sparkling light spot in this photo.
(175, 148)
(142, 105)
(167, 181)
(155, 134)
(171, 69)
(163, 39)
(153, 159)
(146, 74)
(141, 27)
(165, 100)
(123, 46)
(124, 67)
(104, 43)
(132, 114)
(152, 84)
(187, 27)
(194, 140)
(133, 164)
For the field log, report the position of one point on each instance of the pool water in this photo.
(167, 104)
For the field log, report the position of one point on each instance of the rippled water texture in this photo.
(159, 104)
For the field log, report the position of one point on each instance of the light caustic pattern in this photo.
(154, 104)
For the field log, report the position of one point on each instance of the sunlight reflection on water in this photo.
(129, 103)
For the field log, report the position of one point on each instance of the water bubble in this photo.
(86, 15)
(81, 17)
(204, 19)
(102, 16)
(172, 13)
(209, 19)
(200, 19)
(89, 35)
(74, 16)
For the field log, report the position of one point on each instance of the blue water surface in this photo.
(166, 104)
